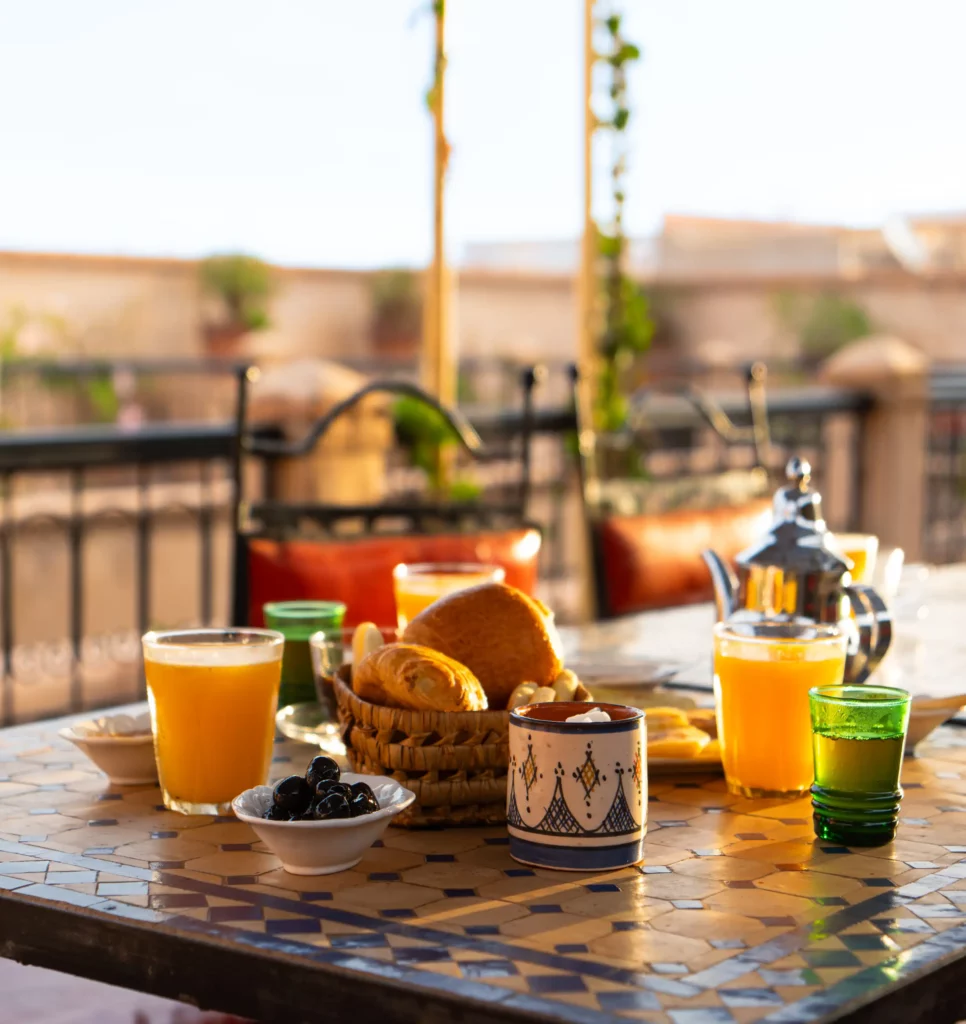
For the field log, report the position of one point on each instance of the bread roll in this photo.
(565, 685)
(417, 678)
(521, 695)
(502, 636)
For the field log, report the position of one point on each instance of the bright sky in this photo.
(297, 129)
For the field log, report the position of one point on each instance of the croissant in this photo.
(501, 634)
(417, 678)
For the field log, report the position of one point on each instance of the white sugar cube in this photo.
(593, 715)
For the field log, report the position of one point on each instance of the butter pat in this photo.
(594, 715)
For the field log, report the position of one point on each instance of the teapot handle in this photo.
(857, 666)
(882, 617)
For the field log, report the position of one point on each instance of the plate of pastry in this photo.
(682, 740)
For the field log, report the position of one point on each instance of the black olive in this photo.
(331, 806)
(327, 786)
(292, 794)
(360, 787)
(363, 803)
(321, 769)
(276, 813)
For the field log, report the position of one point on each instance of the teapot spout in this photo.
(725, 585)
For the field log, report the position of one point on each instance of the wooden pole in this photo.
(438, 370)
(587, 358)
(587, 275)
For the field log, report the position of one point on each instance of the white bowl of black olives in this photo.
(325, 820)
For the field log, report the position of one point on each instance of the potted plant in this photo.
(397, 315)
(240, 286)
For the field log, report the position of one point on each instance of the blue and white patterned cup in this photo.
(577, 791)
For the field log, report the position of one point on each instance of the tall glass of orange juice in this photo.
(418, 586)
(213, 696)
(762, 674)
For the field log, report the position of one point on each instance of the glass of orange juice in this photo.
(762, 674)
(418, 586)
(213, 696)
(861, 549)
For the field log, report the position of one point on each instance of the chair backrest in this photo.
(288, 551)
(647, 534)
(654, 561)
(359, 572)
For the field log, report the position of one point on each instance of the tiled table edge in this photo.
(784, 965)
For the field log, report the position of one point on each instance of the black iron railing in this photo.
(106, 531)
(822, 424)
(944, 520)
(82, 574)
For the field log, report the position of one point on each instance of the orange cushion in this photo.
(654, 561)
(359, 572)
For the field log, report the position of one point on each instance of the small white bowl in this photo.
(120, 745)
(926, 714)
(323, 847)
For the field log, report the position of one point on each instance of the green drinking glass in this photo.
(297, 621)
(858, 741)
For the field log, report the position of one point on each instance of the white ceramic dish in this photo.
(926, 714)
(323, 847)
(120, 745)
(603, 670)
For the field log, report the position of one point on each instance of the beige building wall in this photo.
(318, 312)
(112, 306)
(741, 316)
(100, 305)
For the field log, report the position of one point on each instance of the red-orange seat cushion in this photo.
(359, 572)
(654, 561)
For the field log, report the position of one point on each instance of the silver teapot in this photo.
(793, 573)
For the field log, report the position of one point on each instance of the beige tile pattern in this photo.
(736, 913)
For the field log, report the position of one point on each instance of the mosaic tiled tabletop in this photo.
(737, 914)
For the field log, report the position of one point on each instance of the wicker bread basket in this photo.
(454, 761)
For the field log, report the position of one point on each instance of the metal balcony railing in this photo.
(108, 530)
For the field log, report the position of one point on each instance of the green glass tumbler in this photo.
(297, 621)
(858, 742)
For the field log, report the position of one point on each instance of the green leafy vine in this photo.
(627, 327)
(424, 433)
(435, 91)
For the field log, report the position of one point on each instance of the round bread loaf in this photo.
(499, 633)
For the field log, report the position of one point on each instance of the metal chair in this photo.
(647, 531)
(347, 552)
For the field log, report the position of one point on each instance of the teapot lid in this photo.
(797, 540)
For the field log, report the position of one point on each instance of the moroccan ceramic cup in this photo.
(577, 791)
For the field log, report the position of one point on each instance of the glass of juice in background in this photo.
(763, 672)
(213, 695)
(861, 549)
(859, 738)
(297, 621)
(417, 586)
